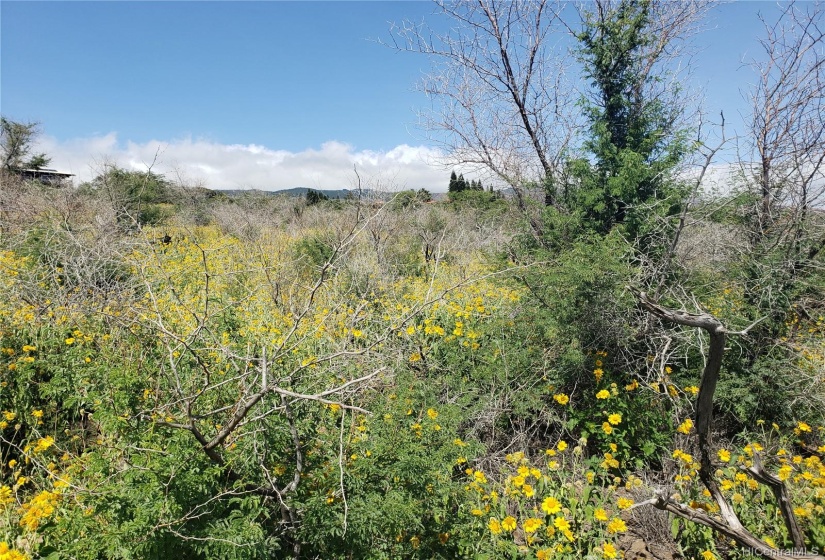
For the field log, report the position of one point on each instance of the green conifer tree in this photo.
(633, 138)
(453, 183)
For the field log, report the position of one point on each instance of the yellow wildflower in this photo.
(609, 551)
(551, 505)
(43, 444)
(5, 495)
(7, 553)
(685, 427)
(561, 523)
(532, 524)
(616, 525)
(39, 508)
(624, 503)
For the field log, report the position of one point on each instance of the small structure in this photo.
(45, 176)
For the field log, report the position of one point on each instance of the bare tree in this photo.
(507, 79)
(782, 165)
(499, 86)
(784, 159)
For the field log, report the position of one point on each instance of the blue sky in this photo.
(255, 94)
(283, 74)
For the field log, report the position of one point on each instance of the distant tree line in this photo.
(314, 197)
(459, 184)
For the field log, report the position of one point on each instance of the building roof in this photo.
(47, 172)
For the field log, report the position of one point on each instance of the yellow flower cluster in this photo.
(805, 477)
(8, 553)
(610, 462)
(549, 519)
(43, 444)
(40, 508)
(685, 427)
(6, 496)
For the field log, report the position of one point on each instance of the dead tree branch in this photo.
(729, 525)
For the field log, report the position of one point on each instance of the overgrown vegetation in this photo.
(619, 362)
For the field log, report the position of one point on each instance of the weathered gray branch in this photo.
(780, 492)
(742, 537)
(729, 524)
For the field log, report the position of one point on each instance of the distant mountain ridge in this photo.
(302, 191)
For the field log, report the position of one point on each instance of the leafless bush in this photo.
(709, 244)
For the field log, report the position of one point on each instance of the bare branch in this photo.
(729, 525)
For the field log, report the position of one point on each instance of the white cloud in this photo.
(237, 166)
